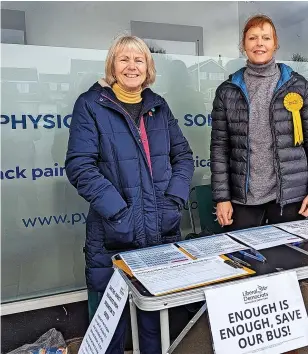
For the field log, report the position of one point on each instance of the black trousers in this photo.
(246, 216)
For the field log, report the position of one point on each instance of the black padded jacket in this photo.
(230, 153)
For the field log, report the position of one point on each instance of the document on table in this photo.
(298, 228)
(264, 237)
(187, 275)
(210, 246)
(154, 257)
(106, 318)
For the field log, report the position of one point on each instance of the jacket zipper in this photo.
(248, 144)
(248, 152)
(124, 112)
(159, 236)
(275, 150)
(279, 197)
(134, 123)
(139, 133)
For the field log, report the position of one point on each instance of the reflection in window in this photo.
(217, 76)
(211, 93)
(53, 86)
(203, 75)
(65, 87)
(23, 88)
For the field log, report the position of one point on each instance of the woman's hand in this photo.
(224, 213)
(304, 208)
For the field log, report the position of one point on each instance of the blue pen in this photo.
(297, 244)
(258, 254)
(249, 255)
(238, 260)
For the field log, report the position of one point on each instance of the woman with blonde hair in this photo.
(259, 143)
(129, 159)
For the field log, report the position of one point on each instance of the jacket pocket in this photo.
(98, 278)
(119, 233)
(171, 219)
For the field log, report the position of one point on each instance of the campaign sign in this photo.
(264, 315)
(106, 318)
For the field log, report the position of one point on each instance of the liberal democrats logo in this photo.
(256, 295)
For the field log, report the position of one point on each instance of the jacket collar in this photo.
(107, 97)
(238, 78)
(286, 74)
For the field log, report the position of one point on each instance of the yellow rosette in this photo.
(293, 102)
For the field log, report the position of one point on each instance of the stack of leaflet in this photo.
(188, 264)
(268, 236)
(175, 267)
(298, 228)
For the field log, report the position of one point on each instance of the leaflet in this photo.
(264, 237)
(210, 246)
(298, 228)
(187, 275)
(153, 257)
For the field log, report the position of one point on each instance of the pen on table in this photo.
(250, 255)
(233, 263)
(238, 260)
(296, 244)
(258, 254)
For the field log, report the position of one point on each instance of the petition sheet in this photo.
(210, 246)
(264, 237)
(180, 276)
(162, 255)
(298, 228)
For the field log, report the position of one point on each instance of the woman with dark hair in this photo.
(259, 142)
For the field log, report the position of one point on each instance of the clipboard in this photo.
(120, 263)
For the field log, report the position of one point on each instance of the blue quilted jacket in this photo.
(106, 163)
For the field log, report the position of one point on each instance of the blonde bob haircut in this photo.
(129, 42)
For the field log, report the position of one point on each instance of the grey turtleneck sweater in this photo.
(261, 81)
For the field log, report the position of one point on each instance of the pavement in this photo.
(198, 339)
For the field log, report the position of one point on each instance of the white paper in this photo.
(106, 318)
(153, 257)
(264, 237)
(265, 316)
(298, 228)
(210, 246)
(176, 277)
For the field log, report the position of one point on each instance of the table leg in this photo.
(164, 330)
(134, 323)
(187, 328)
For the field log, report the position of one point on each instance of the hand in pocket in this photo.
(119, 231)
(171, 217)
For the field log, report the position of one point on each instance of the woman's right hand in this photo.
(224, 213)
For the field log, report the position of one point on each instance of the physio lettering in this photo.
(200, 162)
(33, 121)
(199, 120)
(36, 173)
(53, 220)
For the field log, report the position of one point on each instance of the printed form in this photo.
(154, 257)
(298, 228)
(210, 246)
(264, 237)
(187, 275)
